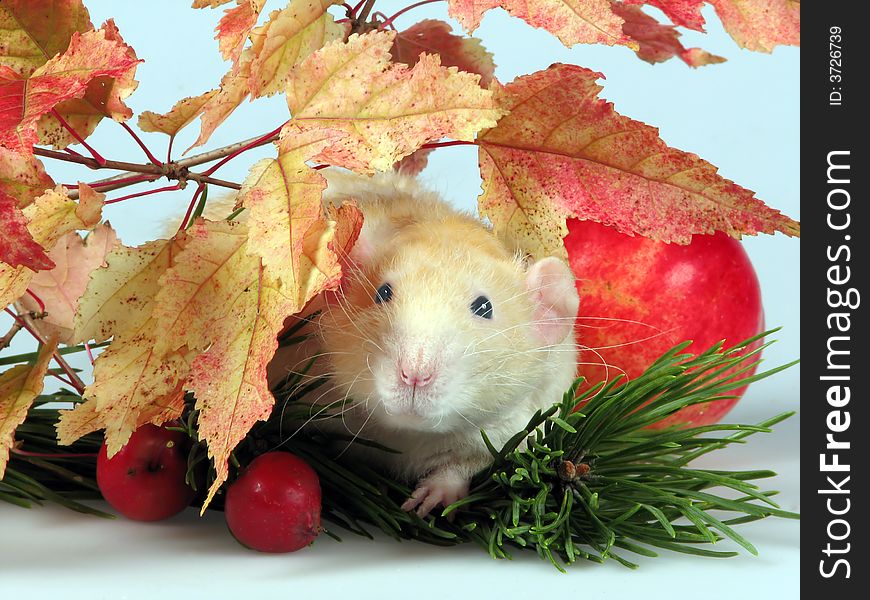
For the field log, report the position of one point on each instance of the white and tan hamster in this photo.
(438, 331)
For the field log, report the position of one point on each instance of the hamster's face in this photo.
(434, 332)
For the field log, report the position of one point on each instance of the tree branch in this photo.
(175, 170)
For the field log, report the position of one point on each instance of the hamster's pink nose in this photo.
(416, 377)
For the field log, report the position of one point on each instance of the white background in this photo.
(741, 115)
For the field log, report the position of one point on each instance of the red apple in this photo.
(145, 479)
(274, 505)
(639, 298)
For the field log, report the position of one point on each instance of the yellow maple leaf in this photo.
(248, 308)
(19, 386)
(203, 285)
(286, 39)
(119, 297)
(51, 216)
(131, 386)
(179, 116)
(284, 199)
(385, 110)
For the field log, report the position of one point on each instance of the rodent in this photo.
(438, 330)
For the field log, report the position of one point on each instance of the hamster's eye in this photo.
(384, 293)
(482, 307)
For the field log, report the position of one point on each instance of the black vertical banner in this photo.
(834, 258)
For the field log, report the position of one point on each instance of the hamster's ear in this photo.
(554, 297)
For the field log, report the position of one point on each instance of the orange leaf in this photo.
(434, 37)
(234, 27)
(761, 25)
(289, 37)
(33, 32)
(385, 110)
(61, 287)
(51, 216)
(572, 21)
(659, 42)
(119, 297)
(229, 379)
(205, 280)
(563, 151)
(284, 198)
(179, 116)
(66, 76)
(132, 386)
(22, 176)
(104, 97)
(222, 102)
(19, 386)
(685, 13)
(209, 3)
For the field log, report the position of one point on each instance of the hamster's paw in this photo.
(442, 487)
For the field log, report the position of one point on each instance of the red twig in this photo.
(191, 206)
(406, 9)
(446, 144)
(90, 354)
(358, 5)
(142, 145)
(96, 155)
(72, 152)
(257, 142)
(348, 8)
(385, 19)
(131, 179)
(168, 188)
(54, 454)
(73, 381)
(38, 300)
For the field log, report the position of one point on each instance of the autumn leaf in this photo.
(61, 287)
(179, 116)
(119, 297)
(222, 102)
(414, 163)
(564, 152)
(19, 386)
(23, 101)
(22, 176)
(284, 199)
(761, 25)
(685, 13)
(234, 27)
(286, 39)
(50, 217)
(209, 3)
(659, 42)
(229, 379)
(33, 32)
(133, 384)
(104, 97)
(385, 110)
(572, 21)
(202, 284)
(17, 246)
(434, 37)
